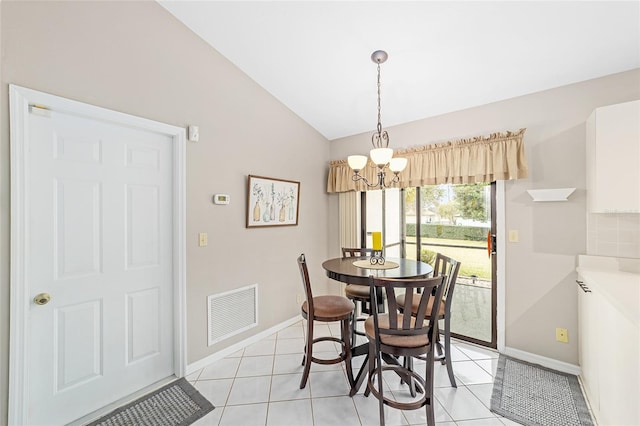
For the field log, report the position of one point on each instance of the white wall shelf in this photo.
(555, 194)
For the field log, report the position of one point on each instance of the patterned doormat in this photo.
(175, 404)
(537, 396)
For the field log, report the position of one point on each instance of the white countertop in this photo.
(616, 279)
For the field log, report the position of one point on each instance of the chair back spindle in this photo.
(356, 252)
(306, 282)
(448, 267)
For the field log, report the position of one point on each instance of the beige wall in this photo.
(540, 287)
(134, 57)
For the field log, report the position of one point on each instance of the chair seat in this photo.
(416, 302)
(330, 307)
(354, 291)
(399, 341)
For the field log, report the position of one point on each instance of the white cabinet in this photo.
(618, 369)
(590, 344)
(609, 356)
(613, 159)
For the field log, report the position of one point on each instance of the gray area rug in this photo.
(175, 404)
(537, 396)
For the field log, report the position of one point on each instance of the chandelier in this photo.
(381, 154)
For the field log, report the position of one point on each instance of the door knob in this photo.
(42, 299)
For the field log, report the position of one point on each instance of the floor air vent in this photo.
(232, 312)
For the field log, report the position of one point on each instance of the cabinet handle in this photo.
(583, 286)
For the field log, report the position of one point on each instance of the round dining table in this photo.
(344, 269)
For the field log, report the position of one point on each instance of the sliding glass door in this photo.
(384, 213)
(457, 221)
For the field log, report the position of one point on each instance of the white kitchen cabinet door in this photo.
(609, 355)
(618, 368)
(589, 342)
(613, 159)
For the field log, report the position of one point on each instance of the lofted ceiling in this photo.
(314, 56)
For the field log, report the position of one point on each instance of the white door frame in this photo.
(501, 242)
(21, 99)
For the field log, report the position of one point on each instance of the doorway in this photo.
(97, 257)
(458, 221)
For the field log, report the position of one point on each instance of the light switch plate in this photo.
(203, 239)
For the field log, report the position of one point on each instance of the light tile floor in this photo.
(259, 385)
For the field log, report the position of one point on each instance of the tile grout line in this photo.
(226, 402)
(273, 363)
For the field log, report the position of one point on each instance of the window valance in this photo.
(499, 156)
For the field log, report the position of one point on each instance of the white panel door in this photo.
(100, 244)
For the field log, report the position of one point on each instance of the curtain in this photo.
(499, 156)
(349, 219)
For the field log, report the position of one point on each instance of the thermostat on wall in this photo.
(221, 199)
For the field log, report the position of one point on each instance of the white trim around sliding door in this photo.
(501, 272)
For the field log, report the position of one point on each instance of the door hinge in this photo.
(40, 110)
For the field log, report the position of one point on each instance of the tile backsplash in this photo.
(615, 234)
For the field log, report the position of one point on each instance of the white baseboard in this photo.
(195, 366)
(554, 364)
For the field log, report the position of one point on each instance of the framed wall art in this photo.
(272, 202)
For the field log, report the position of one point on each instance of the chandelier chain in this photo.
(379, 108)
(380, 138)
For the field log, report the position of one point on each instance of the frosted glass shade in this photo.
(397, 164)
(381, 156)
(357, 162)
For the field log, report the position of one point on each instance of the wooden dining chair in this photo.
(356, 252)
(359, 294)
(448, 267)
(325, 309)
(400, 335)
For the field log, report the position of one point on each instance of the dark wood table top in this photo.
(342, 269)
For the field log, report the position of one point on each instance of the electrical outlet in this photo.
(562, 335)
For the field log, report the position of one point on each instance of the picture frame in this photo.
(272, 202)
